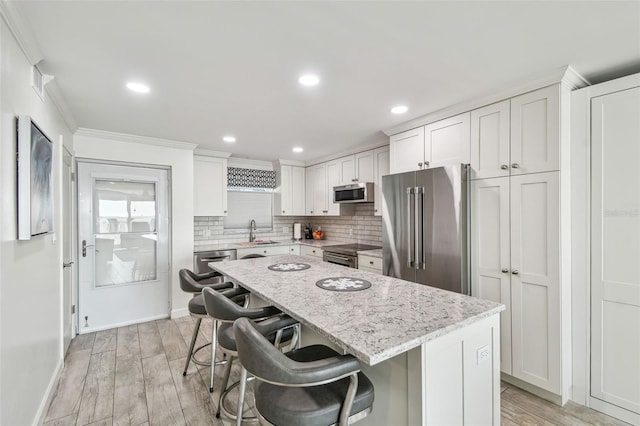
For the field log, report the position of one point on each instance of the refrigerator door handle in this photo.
(416, 227)
(420, 258)
(410, 263)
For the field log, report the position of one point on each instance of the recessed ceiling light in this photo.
(297, 149)
(399, 109)
(229, 139)
(138, 87)
(309, 80)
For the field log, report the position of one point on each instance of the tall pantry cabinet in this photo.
(520, 233)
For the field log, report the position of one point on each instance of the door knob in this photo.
(515, 272)
(515, 165)
(505, 271)
(504, 167)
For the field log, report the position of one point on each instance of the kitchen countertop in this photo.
(376, 324)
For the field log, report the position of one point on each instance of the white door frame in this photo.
(581, 242)
(68, 237)
(79, 323)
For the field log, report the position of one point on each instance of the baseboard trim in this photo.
(48, 395)
(614, 411)
(542, 393)
(84, 330)
(177, 313)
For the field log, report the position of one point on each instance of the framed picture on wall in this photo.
(35, 180)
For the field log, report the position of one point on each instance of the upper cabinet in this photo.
(381, 168)
(517, 136)
(289, 197)
(407, 151)
(316, 190)
(210, 186)
(365, 166)
(436, 144)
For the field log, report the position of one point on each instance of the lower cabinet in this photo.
(370, 263)
(265, 251)
(516, 261)
(294, 249)
(310, 251)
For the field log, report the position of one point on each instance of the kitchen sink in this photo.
(256, 243)
(266, 242)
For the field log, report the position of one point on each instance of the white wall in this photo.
(179, 156)
(30, 271)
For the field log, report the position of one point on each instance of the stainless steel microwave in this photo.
(353, 193)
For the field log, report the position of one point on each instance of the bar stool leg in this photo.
(193, 343)
(214, 346)
(225, 382)
(241, 392)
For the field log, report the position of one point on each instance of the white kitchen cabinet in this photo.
(210, 186)
(275, 250)
(370, 263)
(447, 141)
(306, 250)
(347, 170)
(381, 168)
(316, 190)
(516, 261)
(333, 179)
(407, 151)
(535, 131)
(289, 196)
(491, 253)
(294, 249)
(436, 144)
(490, 147)
(365, 166)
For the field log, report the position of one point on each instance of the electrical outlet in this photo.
(483, 354)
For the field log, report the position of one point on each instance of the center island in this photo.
(432, 355)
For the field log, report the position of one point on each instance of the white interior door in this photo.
(123, 248)
(615, 249)
(67, 250)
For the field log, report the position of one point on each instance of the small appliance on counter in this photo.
(308, 233)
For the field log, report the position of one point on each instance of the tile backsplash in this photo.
(363, 227)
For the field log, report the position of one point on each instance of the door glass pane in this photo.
(125, 232)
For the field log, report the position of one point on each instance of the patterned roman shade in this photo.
(251, 178)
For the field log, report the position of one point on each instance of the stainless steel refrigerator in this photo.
(424, 227)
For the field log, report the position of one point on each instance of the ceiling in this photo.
(219, 68)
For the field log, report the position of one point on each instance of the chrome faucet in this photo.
(252, 232)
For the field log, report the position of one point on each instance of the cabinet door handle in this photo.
(282, 211)
(504, 167)
(515, 272)
(265, 252)
(426, 164)
(505, 271)
(420, 165)
(225, 211)
(515, 166)
(371, 262)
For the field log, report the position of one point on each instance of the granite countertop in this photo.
(387, 319)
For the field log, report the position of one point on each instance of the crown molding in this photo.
(565, 75)
(209, 153)
(382, 142)
(21, 31)
(282, 162)
(123, 137)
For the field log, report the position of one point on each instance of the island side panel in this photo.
(460, 377)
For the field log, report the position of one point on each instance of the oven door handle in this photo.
(334, 256)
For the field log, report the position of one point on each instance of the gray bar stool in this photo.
(311, 386)
(278, 328)
(191, 282)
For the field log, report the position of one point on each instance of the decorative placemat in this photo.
(343, 284)
(289, 267)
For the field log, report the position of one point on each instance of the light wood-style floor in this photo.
(133, 376)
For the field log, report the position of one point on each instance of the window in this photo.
(242, 206)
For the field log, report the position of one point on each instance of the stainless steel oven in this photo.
(345, 254)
